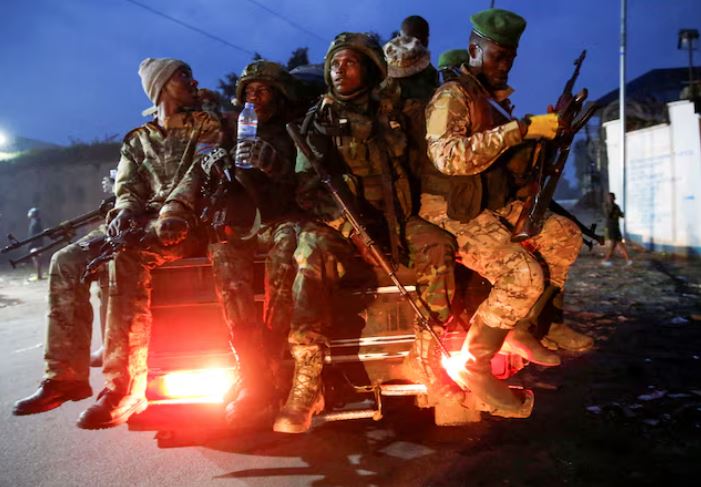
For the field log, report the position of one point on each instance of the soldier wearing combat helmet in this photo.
(360, 135)
(477, 147)
(271, 184)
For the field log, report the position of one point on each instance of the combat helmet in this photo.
(360, 42)
(269, 72)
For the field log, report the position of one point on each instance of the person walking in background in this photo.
(35, 228)
(613, 232)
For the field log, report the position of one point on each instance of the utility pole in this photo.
(622, 109)
(492, 4)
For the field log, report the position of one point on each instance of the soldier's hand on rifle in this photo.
(260, 153)
(171, 230)
(120, 223)
(541, 126)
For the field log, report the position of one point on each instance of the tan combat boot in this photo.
(521, 341)
(306, 396)
(559, 335)
(482, 343)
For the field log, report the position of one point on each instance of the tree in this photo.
(227, 90)
(299, 57)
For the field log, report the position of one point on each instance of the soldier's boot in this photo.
(111, 409)
(306, 397)
(252, 400)
(558, 335)
(51, 394)
(423, 365)
(482, 343)
(521, 341)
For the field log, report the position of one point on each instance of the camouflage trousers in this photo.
(323, 256)
(129, 311)
(233, 267)
(517, 272)
(70, 316)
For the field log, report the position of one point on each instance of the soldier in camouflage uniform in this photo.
(478, 151)
(156, 191)
(358, 132)
(449, 63)
(272, 180)
(68, 332)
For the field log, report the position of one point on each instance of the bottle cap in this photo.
(248, 104)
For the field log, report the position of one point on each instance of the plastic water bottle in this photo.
(247, 129)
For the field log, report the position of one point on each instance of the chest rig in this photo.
(366, 148)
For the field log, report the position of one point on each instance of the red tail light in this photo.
(200, 385)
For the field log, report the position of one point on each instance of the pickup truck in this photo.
(191, 366)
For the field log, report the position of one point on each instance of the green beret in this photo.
(452, 58)
(499, 25)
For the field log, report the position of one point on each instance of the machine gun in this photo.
(425, 318)
(550, 156)
(61, 234)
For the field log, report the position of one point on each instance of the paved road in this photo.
(589, 427)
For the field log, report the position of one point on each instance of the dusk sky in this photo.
(69, 67)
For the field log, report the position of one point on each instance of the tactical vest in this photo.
(467, 196)
(365, 147)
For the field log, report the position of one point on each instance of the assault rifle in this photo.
(347, 206)
(550, 156)
(61, 234)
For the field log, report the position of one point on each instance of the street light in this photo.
(4, 139)
(686, 40)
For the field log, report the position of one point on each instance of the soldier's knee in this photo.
(527, 275)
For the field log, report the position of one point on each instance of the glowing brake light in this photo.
(203, 385)
(455, 365)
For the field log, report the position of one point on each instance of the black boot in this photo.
(111, 409)
(482, 343)
(251, 401)
(51, 394)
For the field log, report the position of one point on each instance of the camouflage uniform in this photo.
(155, 177)
(361, 155)
(233, 260)
(368, 152)
(70, 317)
(479, 154)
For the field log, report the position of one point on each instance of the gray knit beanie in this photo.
(155, 73)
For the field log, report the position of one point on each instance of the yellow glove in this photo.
(542, 126)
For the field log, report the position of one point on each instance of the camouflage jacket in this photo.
(366, 140)
(153, 173)
(467, 138)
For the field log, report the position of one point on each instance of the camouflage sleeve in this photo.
(130, 189)
(450, 148)
(182, 200)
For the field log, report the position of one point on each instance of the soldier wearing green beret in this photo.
(480, 151)
(449, 63)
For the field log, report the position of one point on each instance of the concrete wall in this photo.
(62, 183)
(663, 180)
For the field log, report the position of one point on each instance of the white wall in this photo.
(663, 180)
